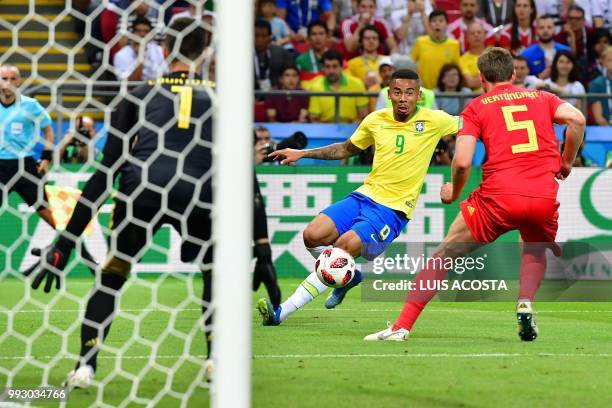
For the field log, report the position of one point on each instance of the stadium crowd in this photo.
(561, 46)
(338, 46)
(355, 45)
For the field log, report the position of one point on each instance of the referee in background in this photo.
(21, 119)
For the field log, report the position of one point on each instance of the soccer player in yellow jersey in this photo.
(367, 220)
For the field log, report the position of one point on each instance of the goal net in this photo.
(80, 60)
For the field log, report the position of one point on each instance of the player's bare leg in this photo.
(458, 242)
(320, 233)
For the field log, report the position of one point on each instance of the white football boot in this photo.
(79, 378)
(388, 334)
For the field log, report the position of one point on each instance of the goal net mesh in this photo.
(155, 353)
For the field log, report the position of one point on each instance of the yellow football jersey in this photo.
(402, 153)
(430, 55)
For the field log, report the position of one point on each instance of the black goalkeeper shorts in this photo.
(25, 181)
(134, 226)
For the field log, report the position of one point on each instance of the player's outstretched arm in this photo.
(574, 119)
(460, 169)
(336, 151)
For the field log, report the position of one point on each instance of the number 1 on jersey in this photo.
(185, 95)
(528, 125)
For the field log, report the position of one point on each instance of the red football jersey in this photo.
(516, 127)
(458, 30)
(526, 38)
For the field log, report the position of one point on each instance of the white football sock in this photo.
(309, 289)
(316, 251)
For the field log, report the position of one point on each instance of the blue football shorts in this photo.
(376, 224)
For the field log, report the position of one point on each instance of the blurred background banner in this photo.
(294, 195)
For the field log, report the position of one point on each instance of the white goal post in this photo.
(39, 335)
(233, 212)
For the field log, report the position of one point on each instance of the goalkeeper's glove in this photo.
(50, 265)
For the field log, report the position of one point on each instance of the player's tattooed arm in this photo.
(336, 151)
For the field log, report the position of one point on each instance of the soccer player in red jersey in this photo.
(518, 190)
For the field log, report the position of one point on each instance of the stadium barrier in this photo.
(598, 138)
(294, 195)
(91, 92)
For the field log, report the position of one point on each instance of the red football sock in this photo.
(423, 290)
(533, 267)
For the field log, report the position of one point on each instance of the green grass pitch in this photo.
(459, 355)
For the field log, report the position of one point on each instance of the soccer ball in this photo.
(335, 267)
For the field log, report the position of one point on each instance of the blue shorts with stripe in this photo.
(375, 224)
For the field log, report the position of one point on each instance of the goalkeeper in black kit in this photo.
(164, 163)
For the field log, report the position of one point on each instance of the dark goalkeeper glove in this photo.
(50, 265)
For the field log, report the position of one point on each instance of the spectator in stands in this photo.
(593, 67)
(198, 7)
(476, 38)
(385, 71)
(602, 108)
(458, 28)
(451, 80)
(270, 59)
(410, 22)
(575, 33)
(143, 59)
(564, 78)
(540, 55)
(262, 136)
(601, 10)
(521, 33)
(552, 8)
(522, 77)
(109, 21)
(78, 145)
(496, 12)
(281, 33)
(118, 16)
(309, 62)
(427, 98)
(300, 13)
(343, 9)
(443, 155)
(386, 8)
(323, 108)
(432, 51)
(558, 9)
(366, 16)
(365, 66)
(288, 108)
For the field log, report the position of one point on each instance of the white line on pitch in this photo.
(388, 355)
(430, 355)
(434, 310)
(107, 357)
